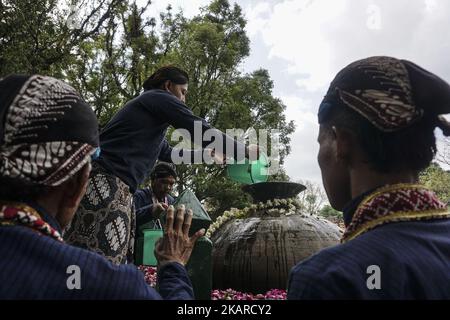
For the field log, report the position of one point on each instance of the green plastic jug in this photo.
(146, 247)
(148, 235)
(199, 269)
(251, 171)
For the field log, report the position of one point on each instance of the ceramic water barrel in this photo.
(257, 253)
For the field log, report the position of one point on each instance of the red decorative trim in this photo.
(20, 214)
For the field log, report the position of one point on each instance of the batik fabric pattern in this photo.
(391, 94)
(395, 203)
(31, 123)
(105, 220)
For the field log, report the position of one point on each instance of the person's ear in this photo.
(167, 85)
(344, 140)
(76, 187)
(71, 192)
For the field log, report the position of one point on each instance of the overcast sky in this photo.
(304, 43)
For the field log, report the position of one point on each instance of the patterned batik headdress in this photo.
(47, 134)
(47, 131)
(391, 94)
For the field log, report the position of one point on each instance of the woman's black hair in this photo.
(172, 73)
(412, 148)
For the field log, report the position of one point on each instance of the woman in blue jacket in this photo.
(131, 143)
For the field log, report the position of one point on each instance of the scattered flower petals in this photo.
(229, 294)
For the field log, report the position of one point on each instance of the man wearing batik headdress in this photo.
(151, 202)
(48, 135)
(376, 135)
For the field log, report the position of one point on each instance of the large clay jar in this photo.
(257, 253)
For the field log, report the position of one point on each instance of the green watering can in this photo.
(251, 171)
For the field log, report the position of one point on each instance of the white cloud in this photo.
(255, 20)
(431, 5)
(317, 38)
(374, 17)
(301, 164)
(299, 110)
(294, 32)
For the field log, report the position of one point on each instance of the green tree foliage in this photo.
(114, 45)
(210, 47)
(111, 67)
(313, 198)
(332, 215)
(314, 201)
(437, 179)
(37, 36)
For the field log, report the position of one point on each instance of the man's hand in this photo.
(176, 245)
(158, 209)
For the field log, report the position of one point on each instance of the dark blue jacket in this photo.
(35, 266)
(413, 260)
(143, 205)
(135, 137)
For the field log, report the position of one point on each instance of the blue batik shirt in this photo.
(412, 258)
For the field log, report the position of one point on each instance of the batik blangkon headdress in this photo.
(391, 94)
(47, 131)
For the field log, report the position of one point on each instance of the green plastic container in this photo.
(199, 269)
(145, 247)
(251, 171)
(200, 218)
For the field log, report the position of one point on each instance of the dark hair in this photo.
(163, 170)
(172, 73)
(412, 148)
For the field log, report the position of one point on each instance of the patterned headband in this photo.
(391, 94)
(48, 132)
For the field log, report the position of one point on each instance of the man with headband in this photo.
(376, 135)
(48, 135)
(152, 201)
